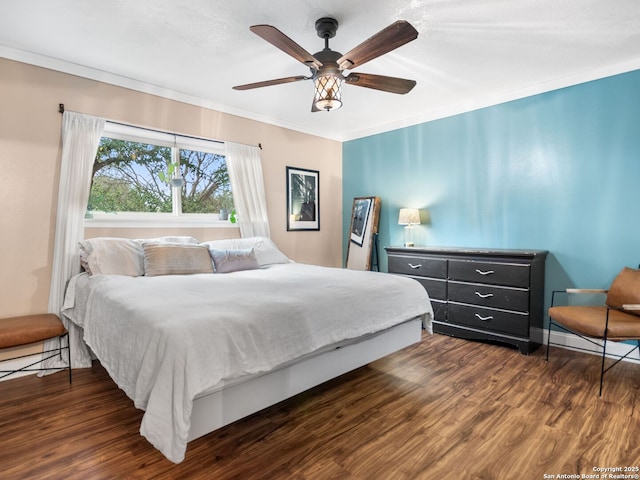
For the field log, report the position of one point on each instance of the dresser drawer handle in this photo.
(484, 295)
(415, 266)
(488, 272)
(484, 319)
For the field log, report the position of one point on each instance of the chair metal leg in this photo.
(600, 342)
(548, 338)
(604, 352)
(69, 355)
(553, 294)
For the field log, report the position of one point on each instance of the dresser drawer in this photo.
(437, 289)
(489, 296)
(510, 274)
(511, 323)
(420, 266)
(439, 310)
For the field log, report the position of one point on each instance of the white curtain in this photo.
(247, 185)
(80, 138)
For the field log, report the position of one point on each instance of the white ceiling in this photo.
(469, 53)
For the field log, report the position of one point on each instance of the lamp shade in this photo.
(328, 95)
(409, 216)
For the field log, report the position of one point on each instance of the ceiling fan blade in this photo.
(284, 43)
(380, 82)
(268, 83)
(387, 39)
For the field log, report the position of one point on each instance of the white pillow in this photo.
(266, 252)
(226, 261)
(112, 256)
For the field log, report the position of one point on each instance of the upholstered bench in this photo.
(18, 331)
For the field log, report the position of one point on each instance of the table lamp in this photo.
(409, 217)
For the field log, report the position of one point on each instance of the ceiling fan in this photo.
(327, 66)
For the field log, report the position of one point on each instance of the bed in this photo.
(198, 346)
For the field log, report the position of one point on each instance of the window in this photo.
(149, 175)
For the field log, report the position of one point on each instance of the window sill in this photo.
(156, 220)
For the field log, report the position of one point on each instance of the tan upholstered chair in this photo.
(617, 320)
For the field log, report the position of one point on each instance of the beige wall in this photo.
(30, 163)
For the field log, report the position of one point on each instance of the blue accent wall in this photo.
(559, 171)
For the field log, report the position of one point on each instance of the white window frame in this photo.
(152, 219)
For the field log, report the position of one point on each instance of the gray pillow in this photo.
(226, 261)
(266, 252)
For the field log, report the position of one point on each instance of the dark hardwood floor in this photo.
(444, 409)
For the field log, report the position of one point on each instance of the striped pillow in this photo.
(168, 259)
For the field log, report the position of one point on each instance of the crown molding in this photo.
(430, 115)
(504, 97)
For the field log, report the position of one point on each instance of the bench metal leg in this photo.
(53, 353)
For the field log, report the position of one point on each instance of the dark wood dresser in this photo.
(492, 295)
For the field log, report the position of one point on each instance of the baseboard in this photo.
(573, 342)
(558, 339)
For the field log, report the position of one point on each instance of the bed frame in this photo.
(237, 401)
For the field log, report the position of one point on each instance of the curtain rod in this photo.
(61, 110)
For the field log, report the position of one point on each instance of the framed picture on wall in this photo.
(303, 199)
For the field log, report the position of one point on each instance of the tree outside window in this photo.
(135, 177)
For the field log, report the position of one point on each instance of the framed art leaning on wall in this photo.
(365, 216)
(303, 199)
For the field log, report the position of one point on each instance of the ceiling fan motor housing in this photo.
(329, 60)
(327, 28)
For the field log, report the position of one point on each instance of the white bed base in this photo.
(237, 401)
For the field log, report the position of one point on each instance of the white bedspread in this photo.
(166, 339)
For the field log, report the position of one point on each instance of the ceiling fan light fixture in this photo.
(328, 91)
